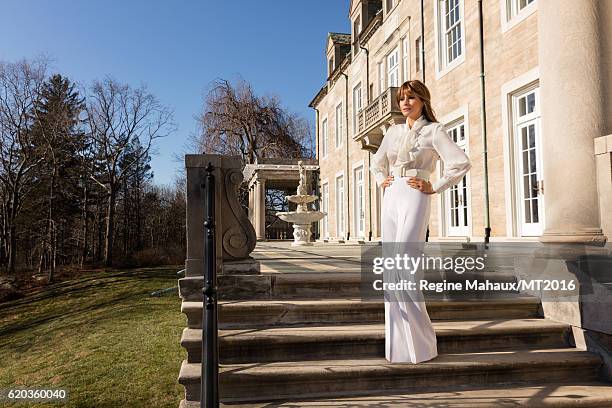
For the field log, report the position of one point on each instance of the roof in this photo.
(315, 101)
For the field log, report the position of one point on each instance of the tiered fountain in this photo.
(303, 218)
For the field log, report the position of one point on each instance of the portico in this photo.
(280, 174)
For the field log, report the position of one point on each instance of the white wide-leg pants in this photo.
(409, 334)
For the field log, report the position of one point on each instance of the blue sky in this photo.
(178, 47)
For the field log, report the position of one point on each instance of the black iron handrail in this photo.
(209, 389)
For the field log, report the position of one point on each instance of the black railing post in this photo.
(209, 396)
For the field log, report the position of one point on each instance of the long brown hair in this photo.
(417, 88)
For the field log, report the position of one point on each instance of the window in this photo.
(417, 56)
(356, 107)
(324, 138)
(381, 78)
(325, 209)
(390, 5)
(450, 32)
(517, 6)
(528, 164)
(405, 56)
(339, 125)
(515, 11)
(393, 68)
(457, 198)
(523, 4)
(356, 32)
(359, 201)
(331, 66)
(520, 115)
(340, 206)
(452, 26)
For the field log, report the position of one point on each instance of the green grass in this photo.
(102, 337)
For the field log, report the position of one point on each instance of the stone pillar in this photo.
(234, 234)
(260, 208)
(572, 117)
(603, 155)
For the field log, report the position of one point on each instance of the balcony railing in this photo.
(382, 111)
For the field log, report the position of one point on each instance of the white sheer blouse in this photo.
(419, 147)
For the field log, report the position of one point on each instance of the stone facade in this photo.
(523, 186)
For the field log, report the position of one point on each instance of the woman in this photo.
(402, 166)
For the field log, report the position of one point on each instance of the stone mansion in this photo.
(536, 103)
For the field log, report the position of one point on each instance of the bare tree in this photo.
(20, 85)
(236, 121)
(118, 116)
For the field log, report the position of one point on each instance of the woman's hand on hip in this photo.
(387, 182)
(423, 186)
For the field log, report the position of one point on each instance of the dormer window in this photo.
(356, 32)
(331, 65)
(389, 5)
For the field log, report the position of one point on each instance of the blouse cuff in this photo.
(456, 174)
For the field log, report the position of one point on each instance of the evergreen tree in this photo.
(58, 137)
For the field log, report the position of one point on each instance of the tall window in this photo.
(331, 66)
(324, 138)
(381, 78)
(325, 209)
(356, 32)
(340, 206)
(418, 54)
(389, 5)
(393, 68)
(359, 201)
(405, 56)
(528, 165)
(450, 19)
(356, 107)
(457, 196)
(339, 125)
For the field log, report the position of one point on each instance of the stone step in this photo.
(324, 286)
(580, 395)
(336, 378)
(261, 313)
(368, 340)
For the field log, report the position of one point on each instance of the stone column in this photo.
(572, 117)
(260, 208)
(251, 201)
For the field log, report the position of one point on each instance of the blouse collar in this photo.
(418, 124)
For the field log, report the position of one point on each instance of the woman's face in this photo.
(410, 105)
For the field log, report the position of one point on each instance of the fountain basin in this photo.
(302, 199)
(302, 220)
(301, 217)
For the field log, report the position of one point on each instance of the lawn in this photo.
(101, 336)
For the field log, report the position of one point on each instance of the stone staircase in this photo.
(312, 342)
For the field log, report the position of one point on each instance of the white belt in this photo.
(401, 171)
